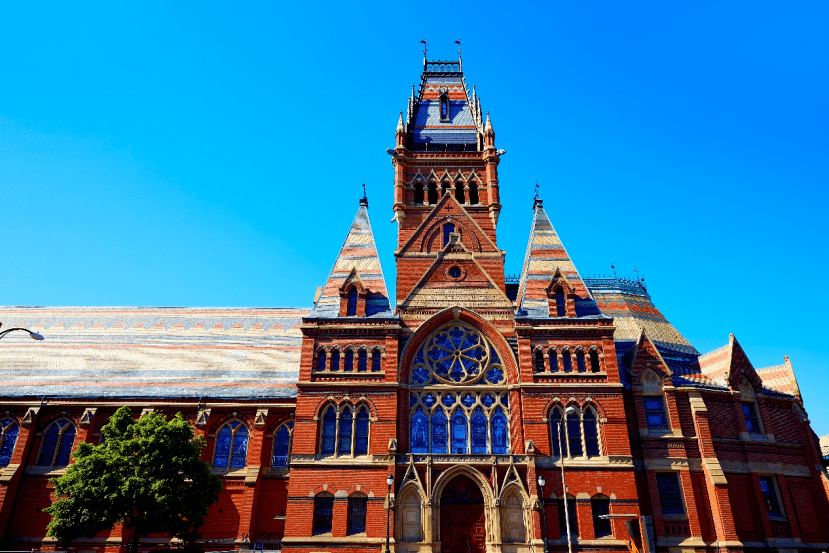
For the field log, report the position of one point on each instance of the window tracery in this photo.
(344, 431)
(231, 445)
(9, 431)
(282, 444)
(57, 444)
(579, 437)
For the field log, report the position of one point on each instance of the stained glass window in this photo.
(460, 432)
(335, 360)
(323, 512)
(345, 432)
(500, 442)
(361, 432)
(479, 433)
(557, 432)
(375, 360)
(574, 435)
(8, 438)
(282, 445)
(420, 432)
(231, 445)
(57, 444)
(487, 400)
(321, 361)
(357, 513)
(439, 434)
(363, 362)
(591, 433)
(448, 400)
(349, 361)
(329, 432)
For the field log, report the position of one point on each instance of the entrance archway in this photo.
(462, 518)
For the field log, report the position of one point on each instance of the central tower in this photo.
(446, 200)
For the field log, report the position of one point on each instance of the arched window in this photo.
(231, 445)
(473, 193)
(433, 193)
(594, 361)
(574, 434)
(357, 513)
(600, 504)
(282, 444)
(500, 433)
(418, 193)
(439, 432)
(346, 430)
(420, 432)
(448, 228)
(323, 512)
(560, 308)
(352, 303)
(329, 432)
(335, 359)
(361, 425)
(362, 365)
(557, 433)
(460, 432)
(591, 432)
(539, 361)
(479, 433)
(570, 515)
(459, 192)
(553, 355)
(321, 361)
(8, 438)
(445, 187)
(567, 360)
(580, 364)
(58, 440)
(376, 359)
(349, 361)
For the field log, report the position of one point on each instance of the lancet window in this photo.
(9, 431)
(354, 359)
(282, 444)
(457, 403)
(231, 445)
(578, 435)
(344, 431)
(58, 440)
(561, 359)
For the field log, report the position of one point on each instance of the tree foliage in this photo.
(147, 475)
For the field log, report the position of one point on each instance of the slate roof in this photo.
(546, 253)
(359, 253)
(151, 352)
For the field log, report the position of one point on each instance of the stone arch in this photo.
(432, 238)
(491, 511)
(514, 520)
(411, 515)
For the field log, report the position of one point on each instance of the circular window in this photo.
(455, 271)
(456, 354)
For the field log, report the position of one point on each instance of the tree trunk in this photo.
(135, 537)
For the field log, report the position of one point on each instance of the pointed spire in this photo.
(488, 126)
(358, 255)
(545, 254)
(400, 123)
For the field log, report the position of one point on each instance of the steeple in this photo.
(357, 265)
(547, 263)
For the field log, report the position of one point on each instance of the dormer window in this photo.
(444, 107)
(352, 303)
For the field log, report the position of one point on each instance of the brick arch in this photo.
(339, 402)
(274, 425)
(473, 319)
(323, 488)
(470, 472)
(435, 232)
(359, 488)
(598, 490)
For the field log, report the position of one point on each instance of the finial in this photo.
(536, 189)
(364, 199)
(537, 202)
(425, 45)
(612, 266)
(400, 123)
(488, 126)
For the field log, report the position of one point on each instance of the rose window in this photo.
(456, 354)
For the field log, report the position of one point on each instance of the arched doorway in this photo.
(462, 522)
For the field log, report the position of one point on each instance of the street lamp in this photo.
(569, 411)
(390, 482)
(541, 483)
(34, 335)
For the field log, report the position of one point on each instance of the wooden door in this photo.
(462, 529)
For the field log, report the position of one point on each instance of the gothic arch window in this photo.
(473, 193)
(376, 360)
(58, 440)
(357, 503)
(352, 303)
(329, 432)
(445, 187)
(362, 361)
(600, 505)
(282, 444)
(553, 355)
(458, 404)
(566, 360)
(231, 445)
(323, 512)
(581, 366)
(560, 305)
(321, 359)
(594, 360)
(349, 360)
(345, 432)
(565, 514)
(539, 361)
(432, 193)
(579, 437)
(448, 229)
(9, 430)
(335, 359)
(418, 192)
(460, 195)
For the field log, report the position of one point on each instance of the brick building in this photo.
(467, 392)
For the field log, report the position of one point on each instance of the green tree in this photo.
(147, 475)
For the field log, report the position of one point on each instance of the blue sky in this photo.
(212, 153)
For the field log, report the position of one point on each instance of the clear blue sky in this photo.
(211, 153)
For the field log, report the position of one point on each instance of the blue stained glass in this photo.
(361, 433)
(329, 432)
(412, 400)
(479, 353)
(439, 421)
(429, 400)
(345, 433)
(443, 341)
(495, 375)
(65, 448)
(470, 340)
(574, 435)
(495, 359)
(50, 442)
(9, 440)
(479, 433)
(505, 400)
(282, 445)
(420, 431)
(420, 375)
(468, 400)
(240, 447)
(223, 447)
(500, 444)
(487, 400)
(456, 333)
(460, 441)
(448, 400)
(457, 374)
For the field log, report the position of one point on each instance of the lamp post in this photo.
(541, 483)
(34, 335)
(390, 482)
(568, 411)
